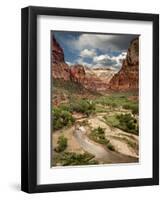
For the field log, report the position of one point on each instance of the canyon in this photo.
(102, 78)
(95, 110)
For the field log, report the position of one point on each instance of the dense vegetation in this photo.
(98, 135)
(120, 100)
(61, 118)
(71, 158)
(84, 106)
(123, 121)
(62, 144)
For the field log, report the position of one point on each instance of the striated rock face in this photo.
(57, 52)
(60, 70)
(128, 76)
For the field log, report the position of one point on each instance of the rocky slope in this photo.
(92, 79)
(128, 76)
(60, 70)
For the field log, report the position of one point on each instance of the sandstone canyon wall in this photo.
(60, 70)
(128, 76)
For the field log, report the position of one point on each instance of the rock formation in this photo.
(98, 79)
(128, 76)
(60, 70)
(77, 73)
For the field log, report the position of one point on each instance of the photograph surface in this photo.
(94, 98)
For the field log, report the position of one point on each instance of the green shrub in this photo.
(71, 158)
(83, 106)
(62, 144)
(61, 118)
(135, 110)
(133, 107)
(118, 100)
(64, 107)
(110, 147)
(127, 123)
(111, 120)
(98, 135)
(123, 121)
(126, 106)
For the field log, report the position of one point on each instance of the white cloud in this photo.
(88, 53)
(103, 60)
(109, 61)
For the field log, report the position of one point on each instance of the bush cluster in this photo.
(98, 135)
(127, 123)
(61, 118)
(83, 106)
(119, 101)
(62, 144)
(72, 158)
(124, 122)
(133, 107)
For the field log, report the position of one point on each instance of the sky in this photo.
(94, 50)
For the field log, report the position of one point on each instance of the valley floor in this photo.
(125, 144)
(91, 128)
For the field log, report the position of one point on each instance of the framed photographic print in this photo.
(90, 99)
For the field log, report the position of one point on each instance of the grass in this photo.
(118, 100)
(124, 122)
(71, 158)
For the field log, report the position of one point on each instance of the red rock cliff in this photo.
(75, 73)
(60, 70)
(128, 76)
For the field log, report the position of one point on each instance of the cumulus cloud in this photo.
(103, 60)
(88, 53)
(109, 61)
(105, 42)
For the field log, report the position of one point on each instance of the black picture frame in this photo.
(29, 99)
